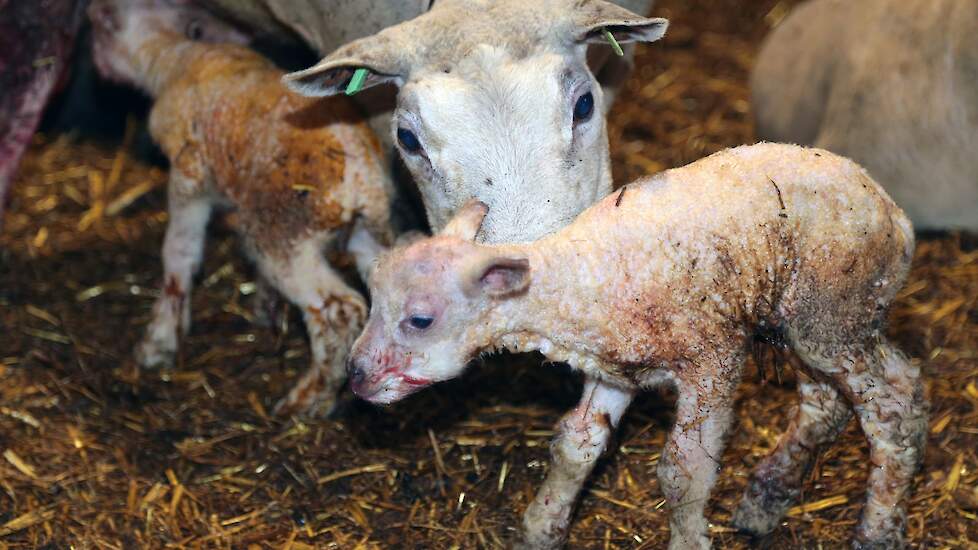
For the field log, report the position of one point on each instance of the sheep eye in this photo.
(420, 322)
(408, 140)
(195, 31)
(584, 107)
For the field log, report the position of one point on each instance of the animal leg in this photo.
(183, 249)
(333, 313)
(266, 302)
(365, 249)
(583, 435)
(775, 483)
(888, 397)
(690, 460)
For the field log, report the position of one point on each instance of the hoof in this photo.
(317, 409)
(888, 543)
(542, 530)
(525, 542)
(267, 313)
(154, 355)
(754, 519)
(701, 542)
(762, 507)
(264, 318)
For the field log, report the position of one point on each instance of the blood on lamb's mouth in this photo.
(415, 382)
(364, 390)
(401, 384)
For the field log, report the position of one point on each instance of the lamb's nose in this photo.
(355, 372)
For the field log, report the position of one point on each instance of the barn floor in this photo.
(97, 454)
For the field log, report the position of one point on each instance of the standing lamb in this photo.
(891, 84)
(672, 278)
(298, 173)
(496, 102)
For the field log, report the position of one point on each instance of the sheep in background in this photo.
(892, 85)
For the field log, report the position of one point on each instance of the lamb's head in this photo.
(432, 309)
(496, 103)
(120, 28)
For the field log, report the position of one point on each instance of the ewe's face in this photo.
(524, 136)
(497, 106)
(430, 315)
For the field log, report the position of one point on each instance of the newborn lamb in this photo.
(671, 279)
(298, 173)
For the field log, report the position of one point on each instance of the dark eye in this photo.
(420, 322)
(408, 140)
(195, 31)
(584, 107)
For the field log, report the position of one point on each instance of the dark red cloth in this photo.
(36, 41)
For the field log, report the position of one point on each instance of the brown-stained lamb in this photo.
(299, 174)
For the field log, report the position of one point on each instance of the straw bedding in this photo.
(97, 454)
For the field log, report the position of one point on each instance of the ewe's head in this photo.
(122, 28)
(431, 311)
(496, 103)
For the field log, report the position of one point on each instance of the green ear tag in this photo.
(614, 43)
(356, 83)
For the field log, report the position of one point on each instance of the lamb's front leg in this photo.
(333, 313)
(691, 458)
(183, 249)
(583, 436)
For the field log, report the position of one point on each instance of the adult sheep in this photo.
(890, 84)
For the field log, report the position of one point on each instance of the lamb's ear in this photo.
(466, 222)
(105, 13)
(594, 17)
(497, 276)
(379, 55)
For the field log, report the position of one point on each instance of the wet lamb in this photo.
(671, 278)
(298, 174)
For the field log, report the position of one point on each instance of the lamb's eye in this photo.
(420, 322)
(408, 140)
(195, 30)
(584, 107)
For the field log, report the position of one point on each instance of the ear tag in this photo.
(356, 83)
(611, 40)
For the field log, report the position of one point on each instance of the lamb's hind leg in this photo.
(775, 483)
(333, 313)
(183, 249)
(690, 460)
(583, 437)
(888, 397)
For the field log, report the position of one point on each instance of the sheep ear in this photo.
(105, 13)
(593, 18)
(498, 276)
(466, 222)
(378, 56)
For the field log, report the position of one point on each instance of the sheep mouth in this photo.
(390, 389)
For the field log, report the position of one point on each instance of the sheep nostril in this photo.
(356, 376)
